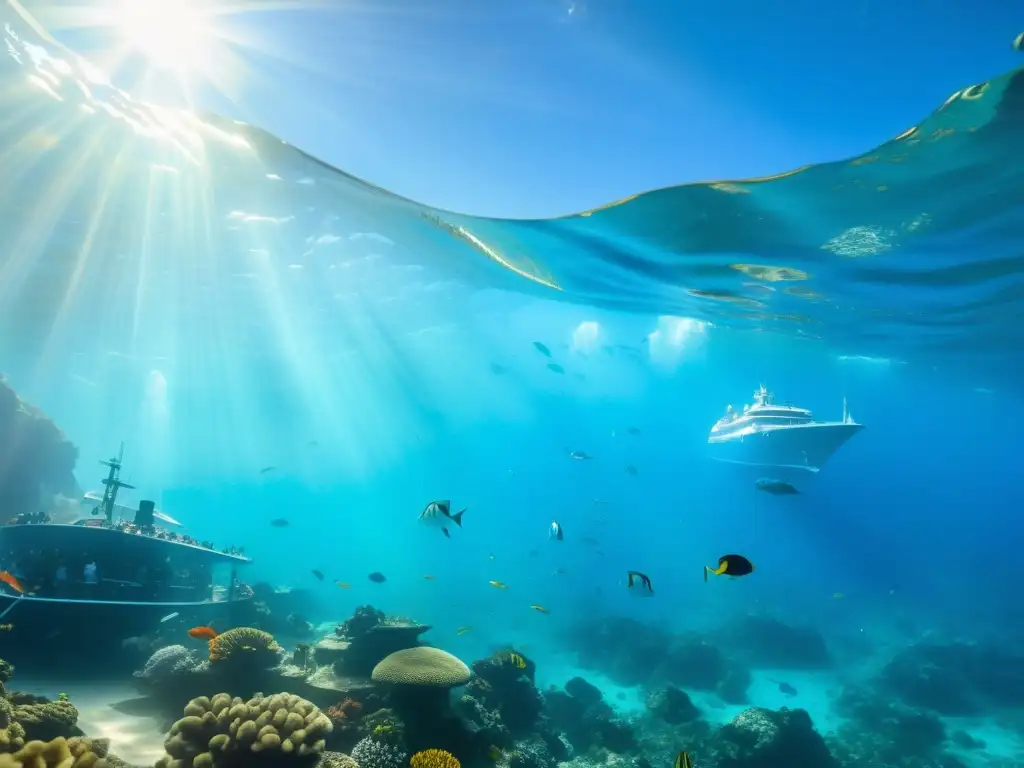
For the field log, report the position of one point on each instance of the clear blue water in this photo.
(223, 302)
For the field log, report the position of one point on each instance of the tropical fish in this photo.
(462, 630)
(343, 584)
(837, 596)
(279, 522)
(202, 633)
(317, 573)
(498, 370)
(494, 753)
(580, 455)
(555, 532)
(497, 584)
(631, 470)
(633, 431)
(775, 487)
(517, 660)
(265, 470)
(8, 578)
(540, 609)
(377, 577)
(730, 565)
(683, 761)
(639, 583)
(169, 616)
(542, 348)
(429, 577)
(6, 627)
(785, 688)
(438, 514)
(555, 368)
(1018, 42)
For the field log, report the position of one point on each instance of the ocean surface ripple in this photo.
(913, 248)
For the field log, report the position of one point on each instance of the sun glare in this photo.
(174, 35)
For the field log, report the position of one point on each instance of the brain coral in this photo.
(434, 758)
(222, 731)
(422, 666)
(245, 644)
(58, 753)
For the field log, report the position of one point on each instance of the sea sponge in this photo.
(245, 644)
(434, 758)
(58, 753)
(422, 666)
(223, 731)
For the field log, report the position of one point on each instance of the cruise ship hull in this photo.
(799, 446)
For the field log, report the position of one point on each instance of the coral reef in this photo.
(24, 717)
(36, 459)
(763, 737)
(365, 639)
(434, 758)
(761, 641)
(62, 753)
(245, 646)
(422, 675)
(671, 705)
(282, 729)
(337, 760)
(373, 753)
(501, 692)
(587, 719)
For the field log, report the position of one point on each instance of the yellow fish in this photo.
(497, 584)
(540, 609)
(683, 760)
(517, 660)
(494, 753)
(6, 627)
(343, 584)
(462, 630)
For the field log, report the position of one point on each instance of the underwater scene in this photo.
(297, 471)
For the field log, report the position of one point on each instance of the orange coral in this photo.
(434, 758)
(344, 710)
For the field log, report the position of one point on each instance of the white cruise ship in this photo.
(764, 434)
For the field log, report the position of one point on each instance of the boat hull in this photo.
(805, 447)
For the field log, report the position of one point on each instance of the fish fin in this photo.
(445, 506)
(561, 535)
(706, 569)
(723, 567)
(446, 534)
(457, 517)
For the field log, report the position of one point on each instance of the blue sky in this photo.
(544, 107)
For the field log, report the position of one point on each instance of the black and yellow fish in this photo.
(683, 760)
(730, 565)
(518, 661)
(639, 584)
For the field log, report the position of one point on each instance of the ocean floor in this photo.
(111, 711)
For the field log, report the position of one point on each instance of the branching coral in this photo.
(58, 753)
(228, 732)
(434, 758)
(371, 753)
(245, 644)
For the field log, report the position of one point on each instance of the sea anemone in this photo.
(253, 645)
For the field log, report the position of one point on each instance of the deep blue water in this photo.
(222, 302)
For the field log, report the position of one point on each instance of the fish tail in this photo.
(457, 517)
(706, 569)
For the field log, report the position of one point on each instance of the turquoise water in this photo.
(224, 304)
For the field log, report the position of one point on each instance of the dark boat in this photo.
(108, 578)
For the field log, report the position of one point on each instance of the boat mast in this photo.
(113, 484)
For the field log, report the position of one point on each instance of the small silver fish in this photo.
(169, 616)
(555, 532)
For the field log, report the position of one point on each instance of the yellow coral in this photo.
(434, 758)
(58, 753)
(244, 642)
